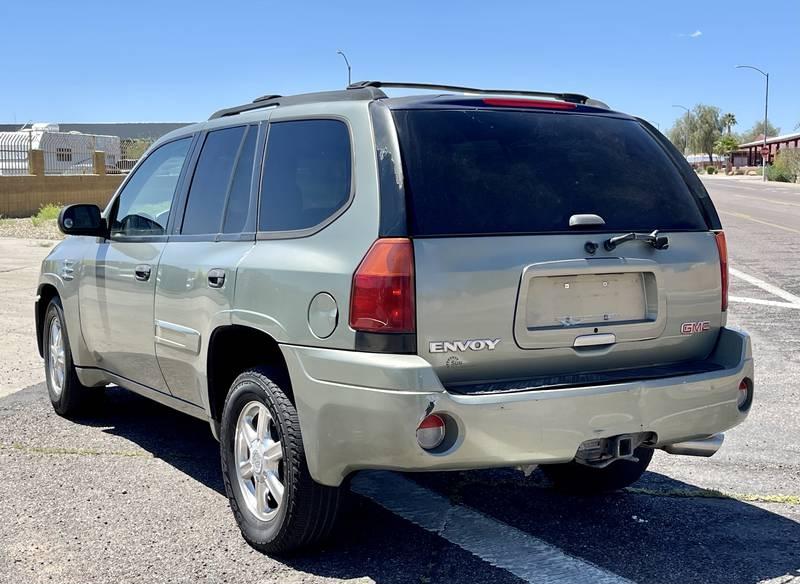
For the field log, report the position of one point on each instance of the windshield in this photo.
(511, 172)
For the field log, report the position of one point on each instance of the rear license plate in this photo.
(586, 300)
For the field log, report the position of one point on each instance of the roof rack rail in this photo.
(266, 101)
(570, 97)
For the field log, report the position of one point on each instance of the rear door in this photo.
(197, 271)
(509, 295)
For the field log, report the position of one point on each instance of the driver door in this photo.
(117, 288)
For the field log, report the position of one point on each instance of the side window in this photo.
(143, 206)
(211, 181)
(307, 174)
(238, 204)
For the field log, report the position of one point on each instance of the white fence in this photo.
(66, 153)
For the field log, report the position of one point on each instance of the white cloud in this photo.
(696, 34)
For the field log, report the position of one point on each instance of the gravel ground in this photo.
(20, 364)
(27, 229)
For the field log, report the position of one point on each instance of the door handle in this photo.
(216, 278)
(594, 340)
(142, 272)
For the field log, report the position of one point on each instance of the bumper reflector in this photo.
(430, 433)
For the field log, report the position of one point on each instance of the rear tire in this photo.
(580, 479)
(67, 395)
(278, 506)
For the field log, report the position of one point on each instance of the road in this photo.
(132, 493)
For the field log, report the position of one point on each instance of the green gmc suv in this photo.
(461, 279)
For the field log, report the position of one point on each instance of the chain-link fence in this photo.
(131, 150)
(67, 153)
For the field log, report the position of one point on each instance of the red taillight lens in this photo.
(538, 103)
(382, 299)
(722, 247)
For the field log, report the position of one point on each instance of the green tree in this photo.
(678, 135)
(705, 128)
(724, 146)
(728, 121)
(757, 131)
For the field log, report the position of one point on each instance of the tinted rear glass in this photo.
(505, 172)
(211, 181)
(306, 176)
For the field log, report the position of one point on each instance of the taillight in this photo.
(382, 299)
(537, 103)
(722, 248)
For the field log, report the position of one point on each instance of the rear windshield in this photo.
(507, 172)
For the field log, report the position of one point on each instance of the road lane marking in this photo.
(766, 286)
(751, 218)
(763, 302)
(760, 199)
(529, 558)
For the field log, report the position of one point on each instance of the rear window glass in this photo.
(506, 172)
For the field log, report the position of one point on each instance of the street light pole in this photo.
(349, 79)
(766, 107)
(686, 133)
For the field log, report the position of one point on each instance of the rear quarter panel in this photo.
(278, 279)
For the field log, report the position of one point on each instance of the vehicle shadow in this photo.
(664, 531)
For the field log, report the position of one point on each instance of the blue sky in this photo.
(179, 61)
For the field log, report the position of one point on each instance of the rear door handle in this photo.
(216, 278)
(142, 272)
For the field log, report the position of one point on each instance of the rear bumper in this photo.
(360, 410)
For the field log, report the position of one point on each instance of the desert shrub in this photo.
(787, 165)
(48, 212)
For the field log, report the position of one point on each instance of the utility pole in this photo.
(349, 79)
(686, 133)
(766, 106)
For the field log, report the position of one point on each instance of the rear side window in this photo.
(221, 183)
(510, 172)
(307, 174)
(238, 205)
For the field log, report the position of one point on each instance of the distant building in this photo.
(701, 160)
(125, 130)
(749, 153)
(64, 152)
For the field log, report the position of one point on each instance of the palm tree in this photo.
(728, 121)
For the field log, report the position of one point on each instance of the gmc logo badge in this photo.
(690, 328)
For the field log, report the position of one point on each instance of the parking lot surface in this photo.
(132, 492)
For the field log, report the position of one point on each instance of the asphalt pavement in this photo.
(132, 492)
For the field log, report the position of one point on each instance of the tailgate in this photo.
(506, 308)
(512, 282)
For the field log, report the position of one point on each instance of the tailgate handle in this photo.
(594, 340)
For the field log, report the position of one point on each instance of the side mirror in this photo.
(82, 219)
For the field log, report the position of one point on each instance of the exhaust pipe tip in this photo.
(698, 447)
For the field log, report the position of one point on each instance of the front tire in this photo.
(278, 506)
(67, 395)
(580, 479)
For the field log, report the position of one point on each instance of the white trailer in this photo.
(64, 152)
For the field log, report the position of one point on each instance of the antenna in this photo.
(341, 52)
